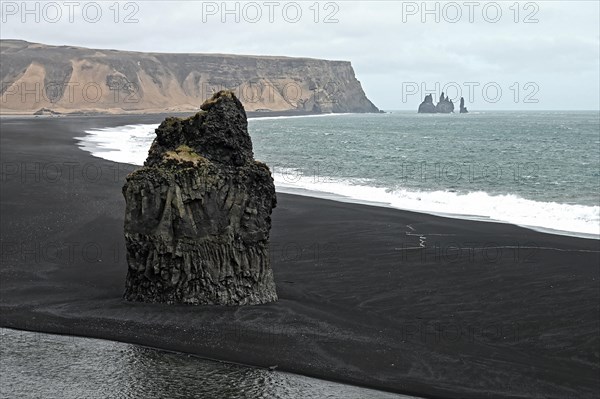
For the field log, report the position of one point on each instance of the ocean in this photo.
(539, 170)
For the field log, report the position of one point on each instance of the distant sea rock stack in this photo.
(427, 106)
(444, 106)
(463, 109)
(198, 213)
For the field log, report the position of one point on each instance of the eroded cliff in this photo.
(74, 79)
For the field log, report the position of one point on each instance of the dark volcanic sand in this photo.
(356, 303)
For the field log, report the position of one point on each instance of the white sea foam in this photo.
(122, 144)
(569, 219)
(130, 144)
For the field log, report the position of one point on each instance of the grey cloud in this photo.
(385, 50)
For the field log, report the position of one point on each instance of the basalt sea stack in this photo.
(444, 106)
(198, 213)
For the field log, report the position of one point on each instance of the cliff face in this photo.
(198, 214)
(70, 79)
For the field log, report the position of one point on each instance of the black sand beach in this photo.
(484, 310)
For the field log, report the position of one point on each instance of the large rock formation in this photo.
(463, 109)
(444, 106)
(427, 106)
(70, 79)
(198, 212)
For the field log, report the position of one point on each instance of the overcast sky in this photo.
(535, 55)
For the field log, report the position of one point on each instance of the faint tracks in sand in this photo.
(412, 233)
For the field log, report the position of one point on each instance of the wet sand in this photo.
(394, 300)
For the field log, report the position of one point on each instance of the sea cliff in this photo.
(66, 79)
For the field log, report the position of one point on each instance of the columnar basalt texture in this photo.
(198, 213)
